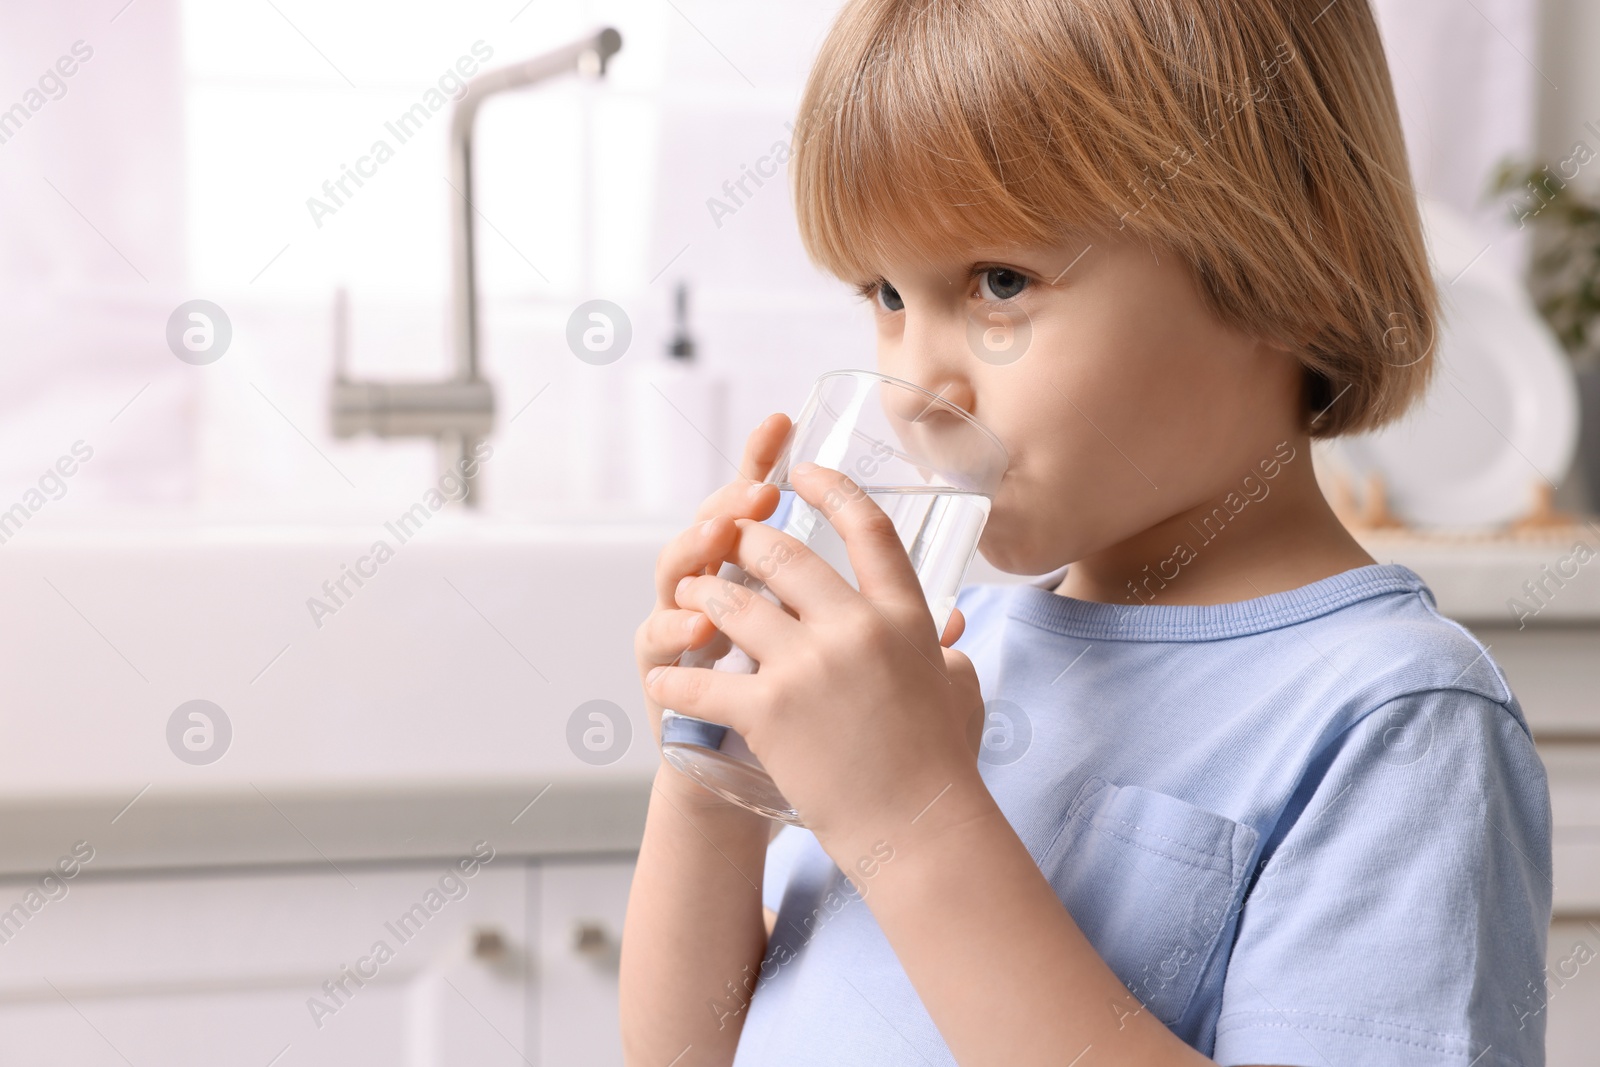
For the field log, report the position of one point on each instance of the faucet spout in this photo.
(588, 56)
(458, 411)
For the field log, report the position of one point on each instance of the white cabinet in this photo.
(1572, 972)
(1572, 977)
(413, 966)
(581, 908)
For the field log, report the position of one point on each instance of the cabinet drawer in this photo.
(1574, 773)
(203, 969)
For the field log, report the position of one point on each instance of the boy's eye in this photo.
(888, 298)
(999, 283)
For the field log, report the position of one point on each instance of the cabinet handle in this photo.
(590, 938)
(488, 943)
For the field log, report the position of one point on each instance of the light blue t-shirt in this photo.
(1309, 828)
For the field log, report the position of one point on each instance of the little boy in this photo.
(1242, 795)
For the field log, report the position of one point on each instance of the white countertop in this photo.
(1473, 576)
(170, 828)
(1476, 578)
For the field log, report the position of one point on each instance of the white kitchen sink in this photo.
(461, 658)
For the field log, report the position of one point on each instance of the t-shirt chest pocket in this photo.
(1153, 882)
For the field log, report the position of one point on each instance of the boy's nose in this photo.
(951, 388)
(956, 390)
(935, 352)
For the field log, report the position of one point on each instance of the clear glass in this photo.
(930, 466)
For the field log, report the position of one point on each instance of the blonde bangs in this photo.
(903, 146)
(1257, 139)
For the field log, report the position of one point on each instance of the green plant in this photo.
(1565, 270)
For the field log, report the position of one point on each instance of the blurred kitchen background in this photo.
(262, 785)
(179, 164)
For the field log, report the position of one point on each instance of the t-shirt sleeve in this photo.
(1402, 916)
(782, 852)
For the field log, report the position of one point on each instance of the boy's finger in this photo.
(751, 621)
(721, 697)
(692, 551)
(739, 499)
(954, 628)
(958, 667)
(761, 448)
(668, 634)
(803, 581)
(883, 571)
(747, 496)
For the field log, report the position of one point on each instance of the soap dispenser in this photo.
(679, 425)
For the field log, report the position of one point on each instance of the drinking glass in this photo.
(931, 467)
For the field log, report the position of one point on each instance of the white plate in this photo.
(1501, 415)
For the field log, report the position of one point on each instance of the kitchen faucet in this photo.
(458, 410)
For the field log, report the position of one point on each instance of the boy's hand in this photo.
(669, 631)
(858, 713)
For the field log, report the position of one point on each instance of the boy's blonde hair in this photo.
(1257, 139)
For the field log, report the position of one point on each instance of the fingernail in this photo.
(655, 672)
(705, 527)
(685, 580)
(755, 489)
(804, 468)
